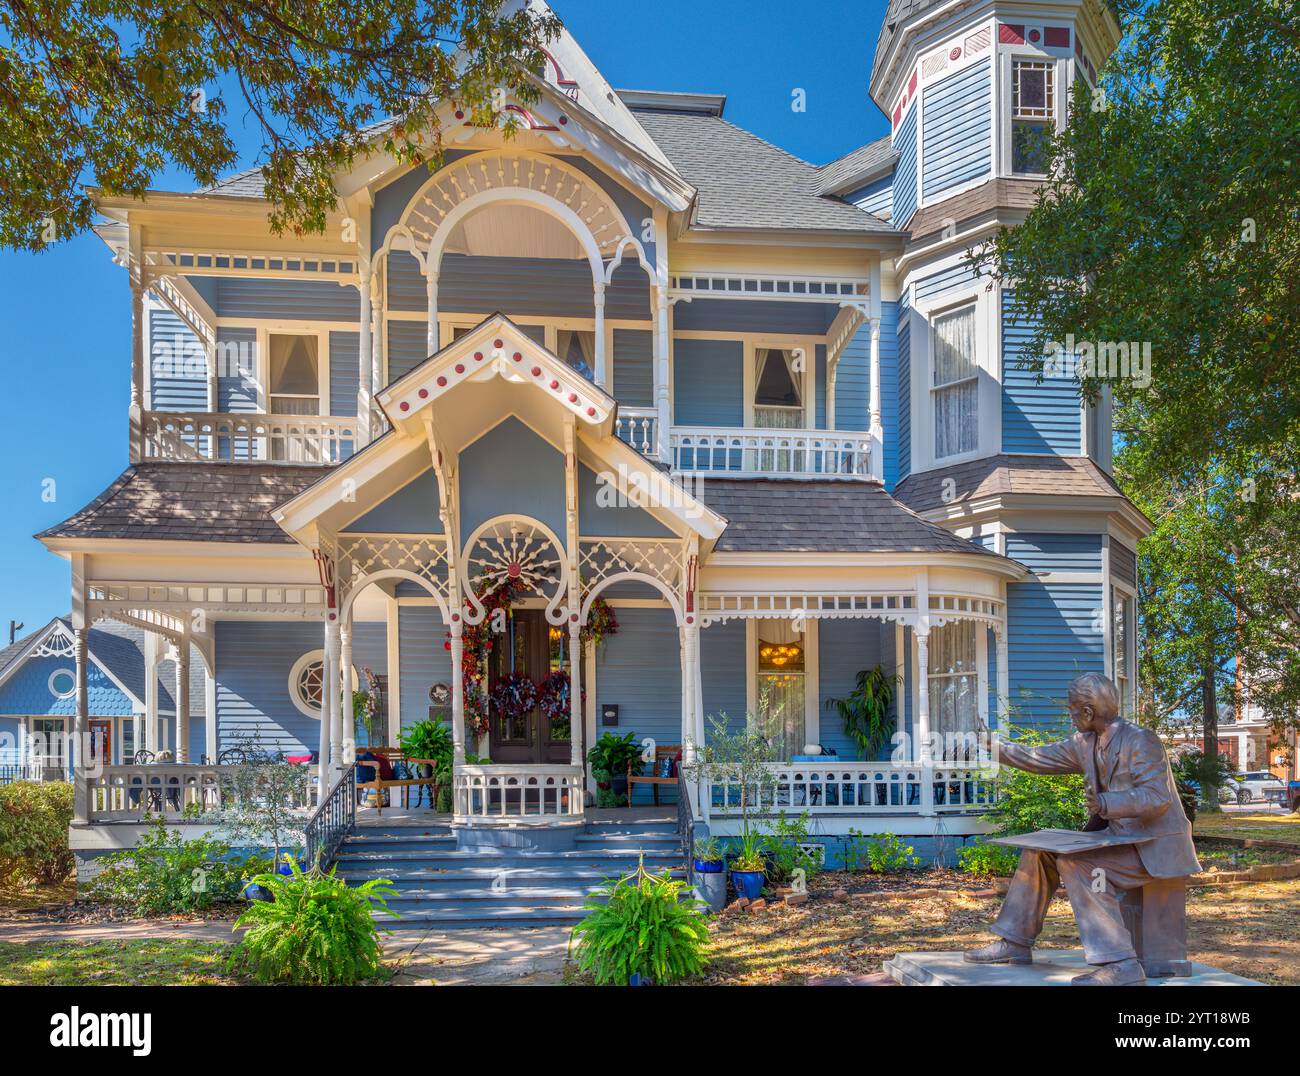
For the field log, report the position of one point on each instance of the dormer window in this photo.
(1033, 114)
(294, 374)
(954, 385)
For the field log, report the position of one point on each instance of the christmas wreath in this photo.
(513, 696)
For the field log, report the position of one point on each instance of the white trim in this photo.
(49, 683)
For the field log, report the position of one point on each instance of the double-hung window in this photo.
(1121, 611)
(953, 678)
(954, 385)
(1033, 114)
(294, 374)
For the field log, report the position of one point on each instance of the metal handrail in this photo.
(333, 821)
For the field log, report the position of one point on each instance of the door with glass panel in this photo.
(782, 686)
(530, 650)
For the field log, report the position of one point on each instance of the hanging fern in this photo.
(865, 712)
(641, 925)
(316, 929)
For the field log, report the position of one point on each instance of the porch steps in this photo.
(439, 887)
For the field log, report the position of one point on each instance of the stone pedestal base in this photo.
(1051, 967)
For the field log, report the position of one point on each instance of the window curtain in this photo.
(776, 417)
(578, 349)
(954, 689)
(781, 703)
(955, 384)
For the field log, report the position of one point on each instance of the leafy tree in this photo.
(1170, 219)
(103, 93)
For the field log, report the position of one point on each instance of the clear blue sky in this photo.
(66, 313)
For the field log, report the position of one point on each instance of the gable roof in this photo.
(747, 183)
(898, 12)
(853, 169)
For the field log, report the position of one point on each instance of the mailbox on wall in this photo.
(609, 714)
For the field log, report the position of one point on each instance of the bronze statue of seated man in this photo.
(1129, 790)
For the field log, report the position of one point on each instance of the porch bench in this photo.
(381, 784)
(665, 751)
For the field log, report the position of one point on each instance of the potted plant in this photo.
(865, 712)
(748, 867)
(429, 741)
(710, 872)
(610, 757)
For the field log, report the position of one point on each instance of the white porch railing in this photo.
(747, 452)
(251, 438)
(128, 793)
(852, 788)
(506, 793)
(636, 426)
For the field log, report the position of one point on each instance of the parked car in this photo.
(1256, 785)
(1287, 795)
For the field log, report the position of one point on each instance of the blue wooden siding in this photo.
(520, 287)
(986, 541)
(876, 197)
(633, 367)
(1056, 552)
(345, 373)
(237, 370)
(722, 672)
(853, 383)
(1123, 563)
(819, 389)
(511, 470)
(295, 300)
(423, 659)
(958, 141)
(844, 648)
(753, 316)
(178, 376)
(254, 659)
(10, 728)
(408, 346)
(889, 388)
(612, 519)
(904, 411)
(960, 275)
(905, 172)
(413, 509)
(639, 669)
(1053, 636)
(708, 382)
(27, 691)
(1038, 417)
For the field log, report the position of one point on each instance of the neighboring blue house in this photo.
(762, 410)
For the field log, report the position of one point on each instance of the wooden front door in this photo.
(101, 741)
(531, 648)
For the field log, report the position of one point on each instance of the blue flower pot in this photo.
(252, 892)
(710, 867)
(749, 884)
(639, 980)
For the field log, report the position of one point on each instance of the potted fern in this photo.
(865, 712)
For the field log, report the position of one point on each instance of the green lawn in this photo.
(173, 962)
(1261, 826)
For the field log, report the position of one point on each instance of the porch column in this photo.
(137, 731)
(457, 691)
(598, 298)
(378, 309)
(661, 374)
(688, 725)
(183, 701)
(921, 748)
(431, 287)
(364, 355)
(80, 732)
(695, 688)
(877, 432)
(575, 695)
(136, 412)
(323, 753)
(151, 647)
(1004, 682)
(347, 720)
(210, 715)
(330, 700)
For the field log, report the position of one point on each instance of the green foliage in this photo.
(1209, 772)
(611, 755)
(886, 854)
(1030, 801)
(262, 803)
(855, 850)
(980, 857)
(642, 925)
(781, 842)
(106, 95)
(749, 853)
(34, 820)
(746, 754)
(170, 875)
(865, 712)
(316, 930)
(427, 739)
(708, 850)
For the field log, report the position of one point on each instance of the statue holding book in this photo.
(1125, 874)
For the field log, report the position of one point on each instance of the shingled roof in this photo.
(798, 516)
(875, 158)
(204, 502)
(1061, 476)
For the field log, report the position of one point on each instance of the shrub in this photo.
(886, 854)
(315, 930)
(642, 925)
(34, 821)
(855, 850)
(784, 856)
(170, 875)
(1030, 801)
(983, 858)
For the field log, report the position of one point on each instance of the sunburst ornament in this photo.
(518, 551)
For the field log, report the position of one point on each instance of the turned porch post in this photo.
(347, 722)
(457, 691)
(662, 419)
(575, 695)
(210, 715)
(364, 357)
(135, 270)
(876, 430)
(183, 701)
(150, 742)
(431, 288)
(330, 700)
(80, 732)
(598, 298)
(1004, 679)
(378, 311)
